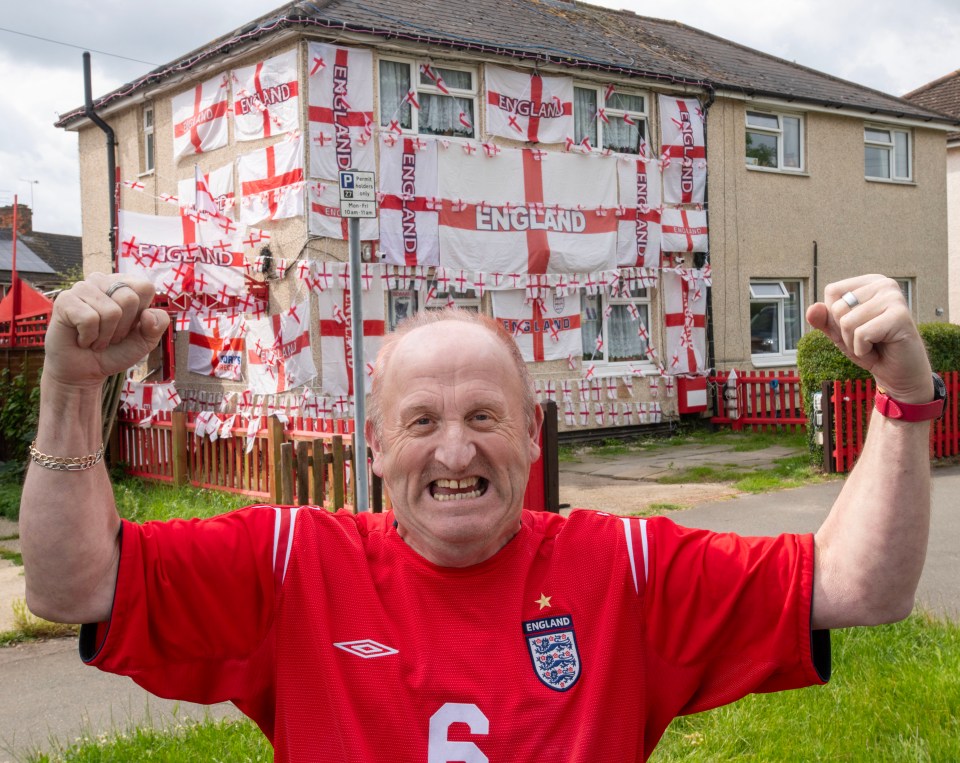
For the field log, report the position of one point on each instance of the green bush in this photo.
(943, 345)
(18, 414)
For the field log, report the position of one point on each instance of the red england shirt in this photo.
(578, 642)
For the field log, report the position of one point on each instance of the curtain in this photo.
(585, 115)
(394, 86)
(623, 342)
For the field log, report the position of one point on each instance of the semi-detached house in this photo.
(638, 201)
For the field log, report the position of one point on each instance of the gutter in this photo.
(111, 151)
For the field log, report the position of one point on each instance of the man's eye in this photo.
(422, 421)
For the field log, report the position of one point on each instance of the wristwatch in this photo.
(894, 409)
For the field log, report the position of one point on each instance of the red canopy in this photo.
(31, 302)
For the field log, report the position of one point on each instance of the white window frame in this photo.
(778, 133)
(891, 148)
(418, 298)
(642, 299)
(906, 286)
(779, 298)
(430, 88)
(149, 123)
(642, 118)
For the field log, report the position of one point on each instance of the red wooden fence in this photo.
(764, 400)
(852, 404)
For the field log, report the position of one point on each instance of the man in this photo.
(458, 627)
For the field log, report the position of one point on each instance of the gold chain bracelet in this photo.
(65, 464)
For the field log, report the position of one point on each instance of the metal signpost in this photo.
(358, 198)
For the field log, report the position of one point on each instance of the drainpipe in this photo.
(816, 272)
(111, 152)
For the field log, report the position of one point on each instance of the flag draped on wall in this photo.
(336, 340)
(220, 184)
(340, 95)
(279, 355)
(528, 107)
(683, 150)
(266, 99)
(216, 345)
(409, 202)
(324, 214)
(544, 329)
(685, 308)
(527, 211)
(271, 182)
(200, 118)
(638, 234)
(182, 254)
(684, 230)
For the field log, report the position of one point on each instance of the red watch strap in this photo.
(894, 409)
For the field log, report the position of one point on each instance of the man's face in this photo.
(456, 447)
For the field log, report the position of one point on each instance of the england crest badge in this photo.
(553, 649)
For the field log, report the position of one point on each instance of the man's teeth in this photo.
(463, 488)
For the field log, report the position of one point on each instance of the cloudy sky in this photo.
(879, 43)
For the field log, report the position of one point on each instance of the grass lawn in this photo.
(895, 696)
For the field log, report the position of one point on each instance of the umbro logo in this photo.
(366, 648)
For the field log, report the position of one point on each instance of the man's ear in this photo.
(373, 442)
(534, 432)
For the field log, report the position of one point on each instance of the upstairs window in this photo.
(618, 124)
(774, 141)
(445, 95)
(147, 159)
(886, 154)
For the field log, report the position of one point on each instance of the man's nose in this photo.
(456, 449)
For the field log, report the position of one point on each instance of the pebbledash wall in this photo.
(763, 224)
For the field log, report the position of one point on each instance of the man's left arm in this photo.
(871, 548)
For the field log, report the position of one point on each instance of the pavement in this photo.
(48, 698)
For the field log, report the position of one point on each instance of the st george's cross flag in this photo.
(220, 184)
(527, 211)
(216, 345)
(684, 230)
(266, 97)
(409, 204)
(638, 236)
(200, 117)
(528, 107)
(142, 396)
(324, 219)
(544, 329)
(182, 255)
(683, 150)
(271, 182)
(685, 321)
(340, 94)
(279, 355)
(336, 336)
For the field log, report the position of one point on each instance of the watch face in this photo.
(939, 388)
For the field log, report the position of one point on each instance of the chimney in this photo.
(24, 219)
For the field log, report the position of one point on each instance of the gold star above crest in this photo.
(543, 601)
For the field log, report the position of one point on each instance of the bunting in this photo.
(324, 215)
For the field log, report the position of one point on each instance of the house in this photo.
(943, 95)
(638, 201)
(44, 260)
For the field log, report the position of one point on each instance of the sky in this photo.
(878, 43)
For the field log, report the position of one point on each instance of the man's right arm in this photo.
(69, 528)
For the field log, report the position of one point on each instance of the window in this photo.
(147, 160)
(619, 325)
(774, 141)
(776, 319)
(619, 125)
(402, 303)
(886, 153)
(906, 286)
(446, 97)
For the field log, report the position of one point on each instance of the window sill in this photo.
(148, 173)
(621, 368)
(778, 171)
(888, 181)
(774, 361)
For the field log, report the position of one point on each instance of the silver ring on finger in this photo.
(118, 285)
(849, 297)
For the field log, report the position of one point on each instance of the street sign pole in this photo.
(362, 502)
(358, 199)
